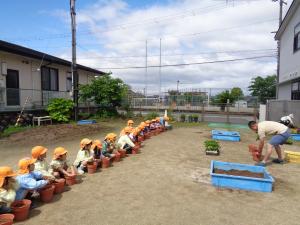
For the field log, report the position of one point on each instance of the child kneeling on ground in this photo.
(8, 186)
(84, 155)
(28, 179)
(60, 165)
(41, 165)
(108, 146)
(96, 151)
(125, 143)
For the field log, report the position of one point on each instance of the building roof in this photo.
(20, 50)
(289, 15)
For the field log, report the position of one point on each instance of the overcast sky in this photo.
(112, 34)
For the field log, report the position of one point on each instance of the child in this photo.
(40, 153)
(125, 143)
(60, 165)
(96, 150)
(28, 179)
(108, 146)
(84, 155)
(8, 186)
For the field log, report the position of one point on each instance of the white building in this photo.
(289, 36)
(35, 76)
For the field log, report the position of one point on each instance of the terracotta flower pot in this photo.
(59, 186)
(135, 150)
(122, 152)
(46, 194)
(92, 168)
(20, 209)
(105, 162)
(70, 180)
(117, 157)
(140, 139)
(6, 219)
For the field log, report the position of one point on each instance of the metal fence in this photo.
(275, 109)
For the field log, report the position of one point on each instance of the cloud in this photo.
(187, 29)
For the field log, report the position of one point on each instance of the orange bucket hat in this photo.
(37, 151)
(97, 143)
(110, 136)
(147, 121)
(24, 163)
(84, 142)
(127, 130)
(59, 151)
(130, 122)
(6, 171)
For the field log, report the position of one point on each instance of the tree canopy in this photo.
(263, 88)
(105, 91)
(233, 95)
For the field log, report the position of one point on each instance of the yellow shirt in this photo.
(7, 196)
(44, 168)
(83, 155)
(57, 164)
(270, 128)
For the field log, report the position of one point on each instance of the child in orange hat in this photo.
(28, 179)
(60, 165)
(109, 146)
(124, 141)
(96, 150)
(40, 153)
(8, 186)
(84, 155)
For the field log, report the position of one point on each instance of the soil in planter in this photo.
(243, 173)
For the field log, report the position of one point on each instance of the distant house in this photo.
(289, 37)
(26, 74)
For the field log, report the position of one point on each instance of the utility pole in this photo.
(146, 71)
(159, 68)
(74, 65)
(281, 2)
(178, 87)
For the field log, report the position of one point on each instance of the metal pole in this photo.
(159, 68)
(73, 65)
(177, 86)
(146, 71)
(281, 2)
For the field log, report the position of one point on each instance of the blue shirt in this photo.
(30, 181)
(162, 121)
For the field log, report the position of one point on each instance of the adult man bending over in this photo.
(280, 134)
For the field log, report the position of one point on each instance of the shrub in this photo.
(182, 118)
(151, 116)
(60, 109)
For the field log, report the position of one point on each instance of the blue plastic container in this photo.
(225, 135)
(83, 122)
(295, 137)
(240, 182)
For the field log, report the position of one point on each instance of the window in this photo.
(49, 79)
(297, 38)
(296, 90)
(69, 81)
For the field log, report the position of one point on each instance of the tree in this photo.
(263, 88)
(105, 91)
(236, 93)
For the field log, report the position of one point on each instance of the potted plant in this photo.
(212, 147)
(195, 118)
(182, 118)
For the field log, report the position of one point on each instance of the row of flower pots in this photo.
(21, 208)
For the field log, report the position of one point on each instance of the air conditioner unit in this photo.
(4, 68)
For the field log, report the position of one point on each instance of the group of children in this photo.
(35, 172)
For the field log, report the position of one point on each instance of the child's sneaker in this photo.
(80, 171)
(279, 161)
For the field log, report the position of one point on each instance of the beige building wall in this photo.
(30, 79)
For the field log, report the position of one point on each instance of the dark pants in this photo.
(128, 149)
(4, 209)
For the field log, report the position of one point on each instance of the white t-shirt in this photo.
(270, 128)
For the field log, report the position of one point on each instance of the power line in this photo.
(187, 64)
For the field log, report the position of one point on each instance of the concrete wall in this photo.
(289, 61)
(30, 78)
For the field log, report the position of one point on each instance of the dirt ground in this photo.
(168, 183)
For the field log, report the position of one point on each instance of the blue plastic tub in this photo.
(240, 182)
(225, 135)
(295, 137)
(82, 122)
